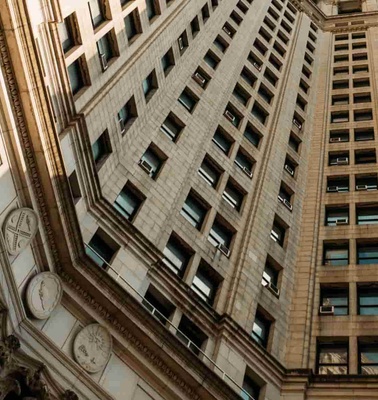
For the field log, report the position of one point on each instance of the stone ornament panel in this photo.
(92, 347)
(19, 229)
(43, 294)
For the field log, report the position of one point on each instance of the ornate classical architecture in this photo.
(188, 204)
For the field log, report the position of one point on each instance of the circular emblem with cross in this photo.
(92, 347)
(19, 229)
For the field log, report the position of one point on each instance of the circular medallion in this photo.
(19, 229)
(44, 294)
(92, 347)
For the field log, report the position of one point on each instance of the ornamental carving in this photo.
(19, 229)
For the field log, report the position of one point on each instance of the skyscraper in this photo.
(189, 199)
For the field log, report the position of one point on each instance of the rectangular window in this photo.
(194, 210)
(236, 18)
(255, 61)
(96, 9)
(358, 83)
(233, 194)
(337, 215)
(221, 235)
(206, 282)
(102, 248)
(183, 42)
(332, 358)
(335, 297)
(211, 60)
(210, 171)
(340, 100)
(205, 13)
(150, 85)
(221, 44)
(290, 166)
(245, 162)
(260, 47)
(362, 98)
(133, 25)
(341, 71)
(172, 127)
(367, 253)
(358, 69)
(74, 186)
(270, 275)
(190, 335)
(188, 100)
(223, 141)
(368, 358)
(367, 299)
(152, 161)
(101, 149)
(129, 201)
(270, 77)
(366, 182)
(106, 49)
(250, 389)
(259, 113)
(364, 134)
(294, 142)
(362, 115)
(177, 255)
(365, 156)
(127, 115)
(339, 117)
(260, 329)
(77, 75)
(195, 26)
(338, 136)
(248, 76)
(153, 9)
(158, 305)
(265, 94)
(336, 253)
(278, 232)
(69, 33)
(337, 184)
(367, 214)
(252, 135)
(201, 77)
(338, 158)
(168, 61)
(229, 30)
(242, 96)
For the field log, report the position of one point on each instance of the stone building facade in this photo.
(189, 199)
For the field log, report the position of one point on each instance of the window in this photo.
(289, 17)
(229, 30)
(304, 86)
(340, 59)
(338, 158)
(236, 18)
(279, 49)
(133, 25)
(362, 98)
(271, 274)
(102, 248)
(247, 75)
(332, 358)
(336, 297)
(366, 182)
(285, 196)
(241, 95)
(251, 390)
(270, 77)
(255, 61)
(152, 161)
(233, 115)
(96, 9)
(367, 214)
(194, 210)
(172, 127)
(278, 232)
(242, 7)
(368, 357)
(69, 33)
(221, 235)
(367, 299)
(177, 255)
(358, 83)
(265, 94)
(205, 13)
(214, 4)
(206, 282)
(338, 117)
(336, 253)
(277, 64)
(183, 42)
(290, 166)
(210, 171)
(74, 186)
(340, 85)
(221, 44)
(339, 38)
(357, 69)
(358, 35)
(342, 47)
(77, 74)
(101, 149)
(339, 136)
(150, 85)
(338, 184)
(245, 162)
(367, 253)
(201, 77)
(127, 115)
(106, 49)
(168, 61)
(365, 156)
(294, 142)
(195, 26)
(260, 329)
(306, 72)
(129, 201)
(283, 37)
(223, 140)
(362, 115)
(233, 194)
(340, 100)
(337, 215)
(153, 9)
(273, 14)
(363, 134)
(252, 135)
(286, 27)
(188, 100)
(359, 57)
(211, 60)
(190, 335)
(158, 305)
(341, 71)
(260, 47)
(259, 113)
(264, 34)
(358, 46)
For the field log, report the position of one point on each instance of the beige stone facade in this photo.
(204, 177)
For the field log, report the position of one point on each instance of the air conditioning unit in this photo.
(326, 310)
(229, 116)
(146, 166)
(332, 188)
(288, 205)
(122, 125)
(297, 123)
(181, 43)
(199, 79)
(257, 66)
(289, 169)
(227, 31)
(342, 160)
(273, 288)
(341, 221)
(104, 62)
(247, 172)
(361, 187)
(338, 139)
(224, 249)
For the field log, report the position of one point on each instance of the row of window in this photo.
(360, 134)
(363, 182)
(346, 36)
(355, 57)
(336, 253)
(365, 214)
(356, 69)
(363, 156)
(344, 83)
